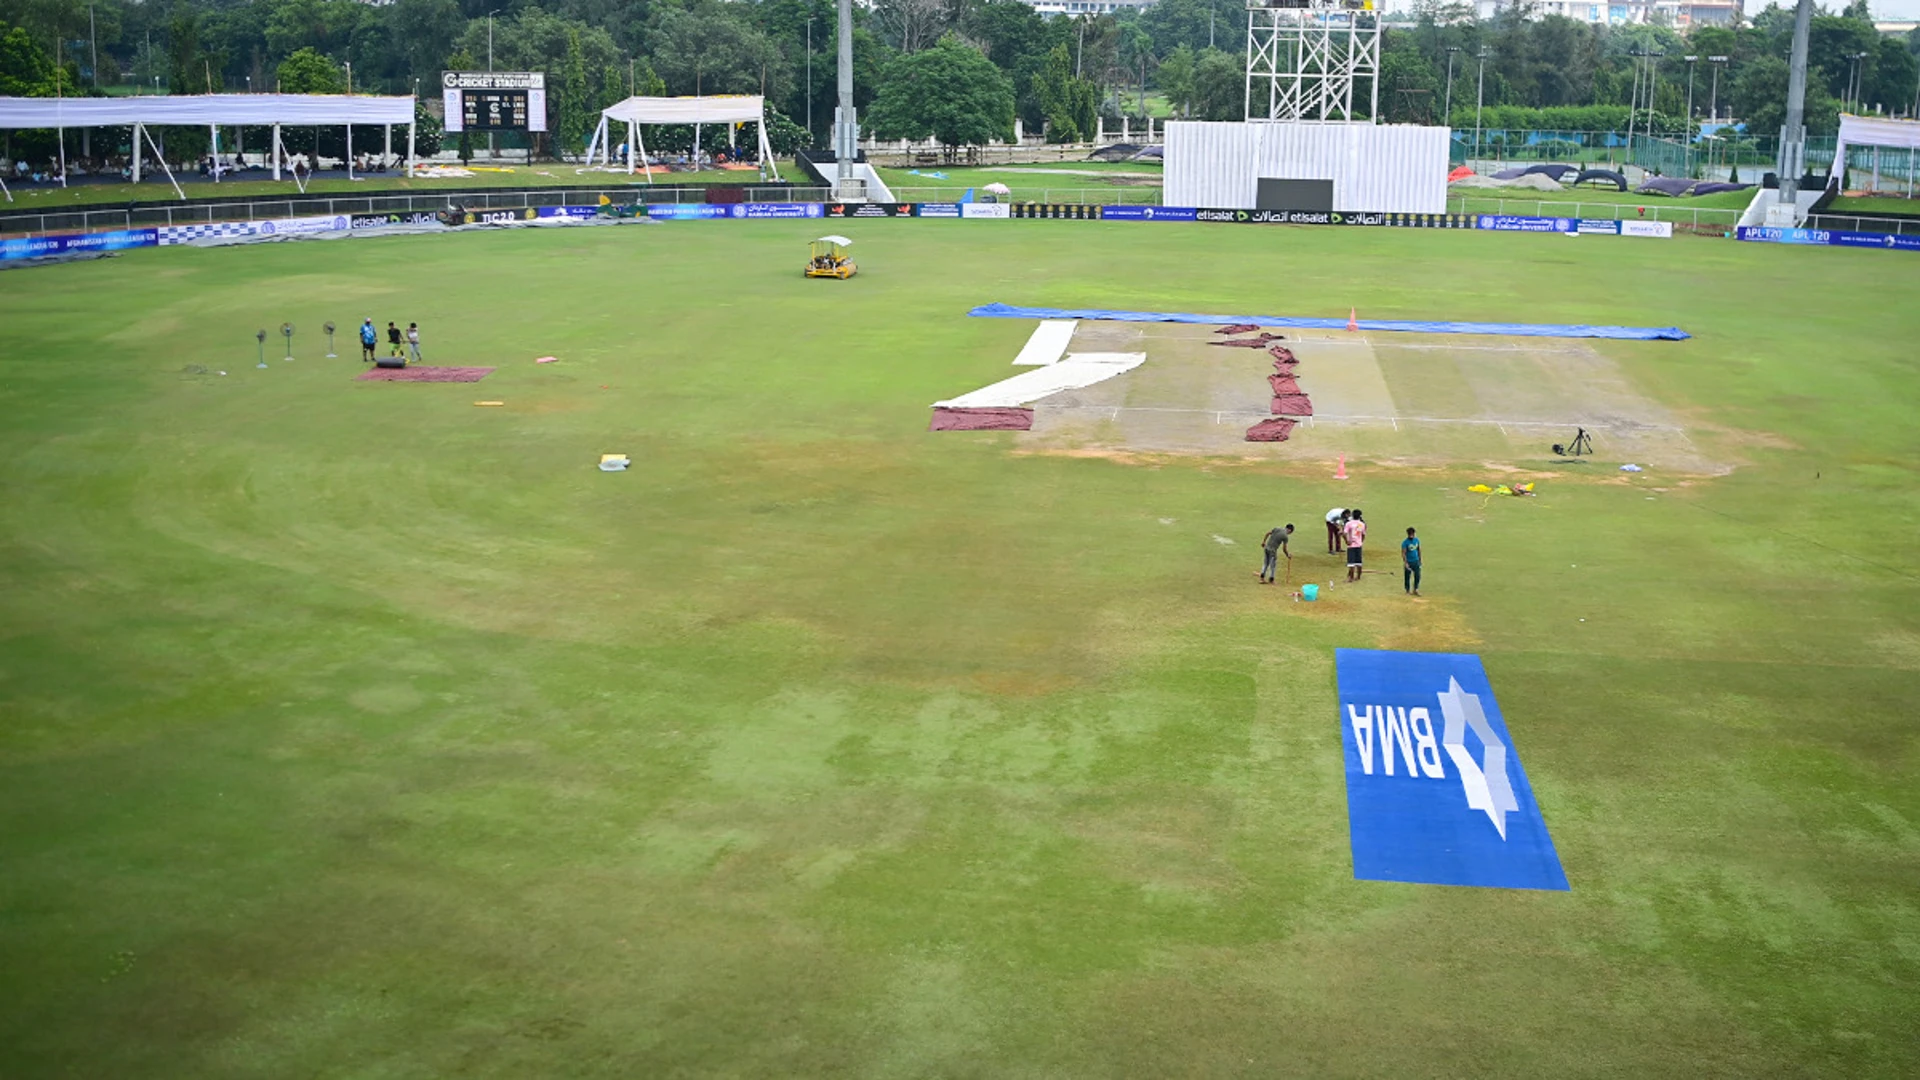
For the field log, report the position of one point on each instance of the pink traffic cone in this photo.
(1353, 319)
(1340, 471)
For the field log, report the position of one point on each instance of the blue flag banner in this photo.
(1435, 791)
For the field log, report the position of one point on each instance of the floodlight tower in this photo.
(846, 122)
(1304, 57)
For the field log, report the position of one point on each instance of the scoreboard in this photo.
(495, 100)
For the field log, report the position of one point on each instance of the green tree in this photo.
(712, 50)
(190, 70)
(573, 115)
(1760, 98)
(950, 92)
(1174, 77)
(1067, 102)
(308, 72)
(25, 70)
(427, 132)
(1219, 86)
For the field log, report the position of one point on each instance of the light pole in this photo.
(1447, 116)
(1713, 106)
(1690, 60)
(1479, 98)
(492, 150)
(809, 82)
(1856, 90)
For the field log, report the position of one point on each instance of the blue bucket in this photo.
(1309, 592)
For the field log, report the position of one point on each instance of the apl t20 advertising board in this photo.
(1435, 791)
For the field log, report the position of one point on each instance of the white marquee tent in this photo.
(637, 112)
(1881, 134)
(213, 110)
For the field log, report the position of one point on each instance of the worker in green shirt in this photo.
(1410, 563)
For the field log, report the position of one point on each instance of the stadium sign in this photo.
(494, 100)
(937, 210)
(686, 211)
(1662, 229)
(1057, 211)
(35, 247)
(776, 210)
(375, 221)
(1435, 791)
(991, 211)
(1148, 213)
(1829, 237)
(869, 210)
(1430, 221)
(1511, 223)
(302, 225)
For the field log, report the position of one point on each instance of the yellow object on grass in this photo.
(1480, 489)
(494, 404)
(827, 257)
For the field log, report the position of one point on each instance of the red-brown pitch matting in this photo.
(423, 373)
(989, 419)
(1274, 430)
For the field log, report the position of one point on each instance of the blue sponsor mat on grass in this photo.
(1625, 333)
(1435, 791)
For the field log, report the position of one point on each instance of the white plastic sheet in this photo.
(1048, 343)
(1076, 371)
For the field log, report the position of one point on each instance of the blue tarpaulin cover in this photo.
(1622, 333)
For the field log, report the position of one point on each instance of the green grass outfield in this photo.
(348, 729)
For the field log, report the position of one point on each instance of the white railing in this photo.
(1692, 216)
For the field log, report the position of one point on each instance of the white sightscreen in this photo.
(199, 110)
(1391, 168)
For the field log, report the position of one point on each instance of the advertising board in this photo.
(990, 211)
(33, 247)
(375, 221)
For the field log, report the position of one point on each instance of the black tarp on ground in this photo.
(1602, 176)
(1674, 186)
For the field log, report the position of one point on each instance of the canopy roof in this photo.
(1873, 131)
(199, 109)
(686, 110)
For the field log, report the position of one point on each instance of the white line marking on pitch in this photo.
(1219, 417)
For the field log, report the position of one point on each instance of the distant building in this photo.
(1679, 14)
(1085, 7)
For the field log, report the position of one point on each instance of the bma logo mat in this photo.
(1435, 791)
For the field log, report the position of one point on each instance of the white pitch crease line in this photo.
(1219, 415)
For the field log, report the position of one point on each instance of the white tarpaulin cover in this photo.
(686, 110)
(196, 110)
(1874, 131)
(1076, 371)
(1048, 343)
